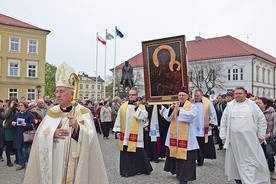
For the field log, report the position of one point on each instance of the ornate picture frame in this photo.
(165, 68)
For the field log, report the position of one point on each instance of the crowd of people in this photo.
(184, 133)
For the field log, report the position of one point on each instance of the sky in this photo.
(75, 23)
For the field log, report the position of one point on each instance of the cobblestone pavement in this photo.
(212, 172)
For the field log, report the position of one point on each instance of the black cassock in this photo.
(156, 149)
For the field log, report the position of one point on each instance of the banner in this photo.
(165, 68)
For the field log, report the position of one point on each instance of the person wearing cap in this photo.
(181, 138)
(48, 162)
(228, 97)
(206, 120)
(129, 126)
(32, 108)
(242, 131)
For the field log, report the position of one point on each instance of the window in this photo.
(190, 76)
(263, 72)
(31, 94)
(257, 73)
(80, 95)
(268, 76)
(31, 69)
(86, 96)
(229, 74)
(32, 46)
(87, 86)
(241, 73)
(235, 74)
(14, 44)
(99, 86)
(13, 68)
(200, 75)
(212, 75)
(93, 86)
(13, 93)
(93, 95)
(81, 86)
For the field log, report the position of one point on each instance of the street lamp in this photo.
(38, 89)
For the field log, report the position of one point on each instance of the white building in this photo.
(239, 63)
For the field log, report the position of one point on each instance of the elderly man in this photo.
(53, 159)
(243, 129)
(206, 119)
(41, 108)
(181, 138)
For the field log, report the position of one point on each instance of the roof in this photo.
(223, 47)
(135, 61)
(212, 48)
(9, 21)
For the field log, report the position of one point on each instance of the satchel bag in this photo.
(273, 144)
(268, 148)
(28, 136)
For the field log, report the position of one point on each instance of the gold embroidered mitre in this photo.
(62, 75)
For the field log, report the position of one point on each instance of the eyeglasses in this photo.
(132, 94)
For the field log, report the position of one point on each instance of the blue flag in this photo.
(119, 33)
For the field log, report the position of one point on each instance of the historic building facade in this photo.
(90, 88)
(22, 59)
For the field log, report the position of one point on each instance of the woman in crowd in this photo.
(105, 116)
(270, 115)
(23, 120)
(9, 130)
(37, 117)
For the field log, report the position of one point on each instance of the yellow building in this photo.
(87, 87)
(22, 59)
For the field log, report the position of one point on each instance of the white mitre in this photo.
(62, 75)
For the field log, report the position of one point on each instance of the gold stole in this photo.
(206, 107)
(178, 147)
(133, 133)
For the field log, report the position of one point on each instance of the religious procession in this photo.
(173, 130)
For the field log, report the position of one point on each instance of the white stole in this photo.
(154, 126)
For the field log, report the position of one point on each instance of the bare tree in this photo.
(110, 82)
(206, 75)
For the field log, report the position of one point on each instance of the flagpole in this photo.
(105, 65)
(97, 67)
(114, 70)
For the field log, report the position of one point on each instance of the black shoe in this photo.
(9, 164)
(183, 182)
(219, 149)
(124, 175)
(238, 181)
(1, 159)
(199, 164)
(16, 162)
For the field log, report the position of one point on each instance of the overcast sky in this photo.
(74, 24)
